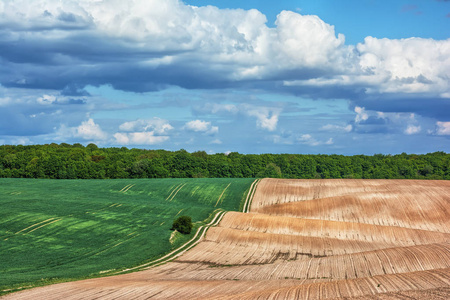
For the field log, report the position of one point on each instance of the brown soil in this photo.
(304, 239)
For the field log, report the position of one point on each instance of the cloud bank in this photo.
(51, 51)
(147, 45)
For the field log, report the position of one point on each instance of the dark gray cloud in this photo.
(70, 47)
(55, 51)
(427, 107)
(74, 90)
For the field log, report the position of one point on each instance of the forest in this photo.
(65, 161)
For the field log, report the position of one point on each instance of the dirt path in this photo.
(175, 192)
(220, 197)
(304, 239)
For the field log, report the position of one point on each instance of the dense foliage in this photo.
(66, 161)
(182, 224)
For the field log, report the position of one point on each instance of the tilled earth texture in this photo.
(304, 239)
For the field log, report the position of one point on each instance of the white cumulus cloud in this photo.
(223, 45)
(201, 126)
(138, 138)
(307, 41)
(89, 130)
(443, 128)
(411, 129)
(309, 140)
(156, 125)
(143, 132)
(361, 114)
(412, 65)
(226, 44)
(148, 45)
(337, 128)
(266, 118)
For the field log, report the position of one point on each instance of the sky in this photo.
(331, 77)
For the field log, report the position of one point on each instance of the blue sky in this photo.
(359, 19)
(324, 76)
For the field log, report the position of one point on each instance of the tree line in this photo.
(64, 161)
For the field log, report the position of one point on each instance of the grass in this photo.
(61, 230)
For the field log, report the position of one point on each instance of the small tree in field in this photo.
(182, 224)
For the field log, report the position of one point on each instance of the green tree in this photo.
(182, 224)
(271, 171)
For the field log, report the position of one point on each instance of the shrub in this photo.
(182, 224)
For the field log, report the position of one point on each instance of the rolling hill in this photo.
(304, 239)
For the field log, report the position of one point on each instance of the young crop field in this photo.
(301, 239)
(59, 230)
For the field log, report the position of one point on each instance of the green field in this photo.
(58, 230)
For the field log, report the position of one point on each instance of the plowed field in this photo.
(305, 239)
